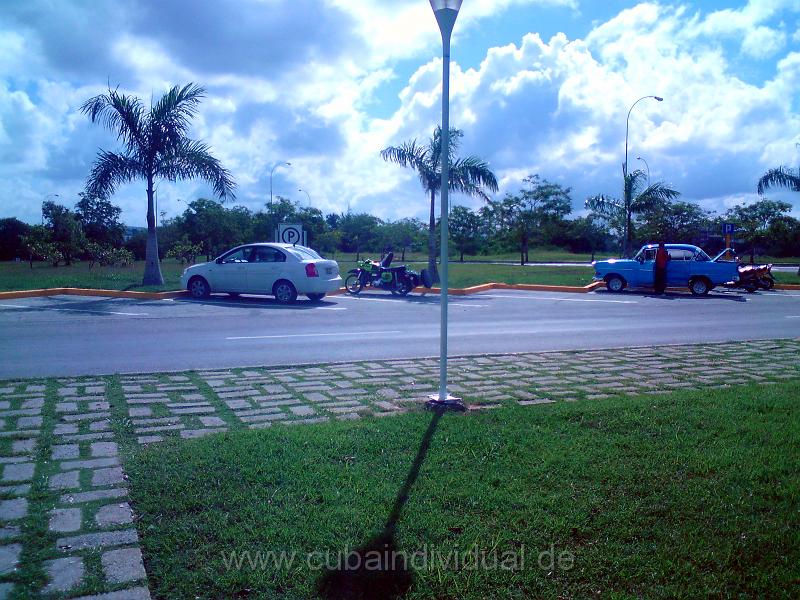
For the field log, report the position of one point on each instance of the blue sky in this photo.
(538, 86)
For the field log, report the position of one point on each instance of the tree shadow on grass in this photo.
(376, 570)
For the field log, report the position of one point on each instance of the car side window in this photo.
(679, 254)
(650, 254)
(241, 255)
(269, 255)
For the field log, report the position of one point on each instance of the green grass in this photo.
(781, 277)
(687, 494)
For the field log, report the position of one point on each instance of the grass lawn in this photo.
(676, 495)
(781, 277)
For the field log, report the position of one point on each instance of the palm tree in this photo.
(467, 175)
(780, 177)
(155, 147)
(639, 197)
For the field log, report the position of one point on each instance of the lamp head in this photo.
(659, 98)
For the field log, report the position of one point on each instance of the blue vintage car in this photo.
(688, 266)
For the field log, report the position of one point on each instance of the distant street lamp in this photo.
(307, 196)
(627, 124)
(446, 12)
(648, 169)
(271, 173)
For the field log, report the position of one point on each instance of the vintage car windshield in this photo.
(701, 256)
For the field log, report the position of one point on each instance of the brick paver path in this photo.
(63, 490)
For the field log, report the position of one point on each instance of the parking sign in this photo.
(728, 228)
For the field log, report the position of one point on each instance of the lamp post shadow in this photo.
(375, 570)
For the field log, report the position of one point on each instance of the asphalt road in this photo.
(68, 335)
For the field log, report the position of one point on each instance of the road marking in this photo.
(432, 301)
(96, 312)
(562, 299)
(793, 317)
(300, 335)
(330, 308)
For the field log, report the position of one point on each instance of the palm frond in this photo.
(111, 170)
(120, 113)
(780, 177)
(655, 194)
(474, 170)
(606, 207)
(191, 159)
(169, 119)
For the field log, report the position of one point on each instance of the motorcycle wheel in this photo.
(767, 283)
(750, 288)
(353, 284)
(405, 287)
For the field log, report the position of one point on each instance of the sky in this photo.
(537, 86)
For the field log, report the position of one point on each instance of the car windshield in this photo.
(304, 253)
(701, 256)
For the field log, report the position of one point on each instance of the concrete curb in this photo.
(476, 289)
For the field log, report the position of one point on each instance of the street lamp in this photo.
(648, 169)
(625, 193)
(627, 123)
(307, 196)
(271, 173)
(445, 12)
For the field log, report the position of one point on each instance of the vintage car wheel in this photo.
(284, 292)
(198, 287)
(699, 286)
(615, 284)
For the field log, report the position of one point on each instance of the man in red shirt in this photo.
(660, 275)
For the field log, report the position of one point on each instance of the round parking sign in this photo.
(290, 234)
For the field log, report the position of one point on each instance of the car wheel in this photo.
(699, 286)
(615, 284)
(353, 283)
(198, 287)
(315, 297)
(284, 292)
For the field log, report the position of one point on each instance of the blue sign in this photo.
(728, 228)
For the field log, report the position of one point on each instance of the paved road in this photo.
(67, 335)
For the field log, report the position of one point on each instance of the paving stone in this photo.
(123, 566)
(11, 510)
(94, 389)
(63, 573)
(264, 417)
(67, 407)
(188, 404)
(158, 428)
(149, 439)
(9, 531)
(109, 476)
(81, 497)
(65, 429)
(178, 378)
(301, 421)
(316, 397)
(92, 416)
(98, 540)
(212, 421)
(302, 410)
(137, 593)
(17, 490)
(87, 437)
(65, 519)
(237, 404)
(93, 463)
(193, 397)
(35, 388)
(98, 405)
(103, 425)
(388, 393)
(198, 433)
(142, 411)
(157, 421)
(29, 422)
(65, 481)
(536, 401)
(19, 472)
(258, 411)
(197, 410)
(104, 449)
(114, 514)
(23, 446)
(9, 557)
(348, 417)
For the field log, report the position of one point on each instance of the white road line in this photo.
(330, 308)
(562, 299)
(300, 335)
(411, 303)
(793, 317)
(96, 312)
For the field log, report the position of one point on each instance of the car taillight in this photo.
(311, 270)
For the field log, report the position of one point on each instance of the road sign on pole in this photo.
(728, 228)
(291, 233)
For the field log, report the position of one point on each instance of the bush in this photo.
(107, 256)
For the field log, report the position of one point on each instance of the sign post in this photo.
(728, 230)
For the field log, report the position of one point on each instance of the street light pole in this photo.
(648, 169)
(307, 196)
(446, 12)
(625, 195)
(271, 173)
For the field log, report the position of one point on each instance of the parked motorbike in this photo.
(753, 277)
(380, 275)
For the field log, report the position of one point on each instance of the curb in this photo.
(475, 289)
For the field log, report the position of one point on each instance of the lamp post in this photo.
(307, 196)
(647, 167)
(271, 173)
(625, 195)
(446, 12)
